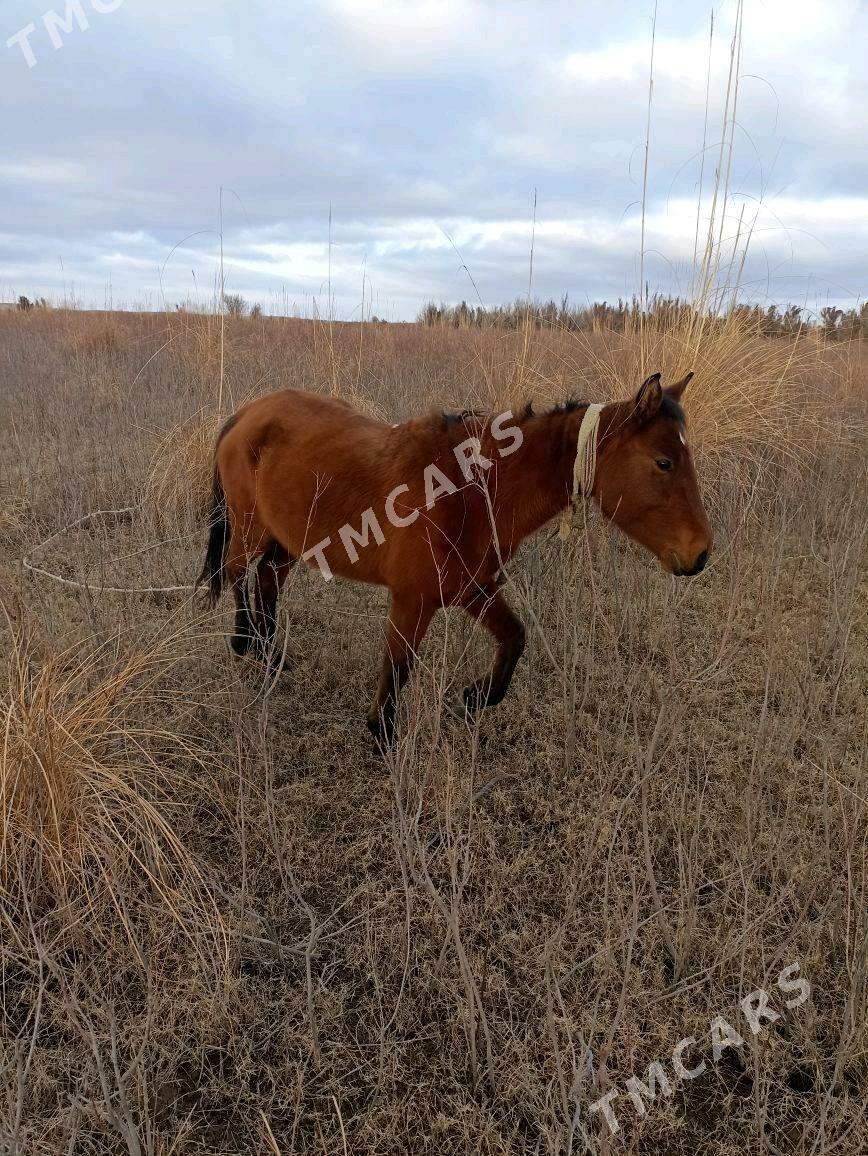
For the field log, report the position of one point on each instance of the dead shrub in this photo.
(99, 341)
(177, 488)
(88, 781)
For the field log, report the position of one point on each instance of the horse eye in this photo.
(664, 464)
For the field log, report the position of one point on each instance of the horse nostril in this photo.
(697, 567)
(699, 564)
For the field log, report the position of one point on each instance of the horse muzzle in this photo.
(681, 571)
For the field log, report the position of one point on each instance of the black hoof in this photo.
(478, 697)
(239, 644)
(383, 731)
(273, 658)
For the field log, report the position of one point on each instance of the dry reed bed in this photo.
(263, 950)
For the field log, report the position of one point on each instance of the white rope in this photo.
(585, 465)
(28, 564)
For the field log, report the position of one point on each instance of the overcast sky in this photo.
(418, 123)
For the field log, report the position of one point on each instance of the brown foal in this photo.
(433, 508)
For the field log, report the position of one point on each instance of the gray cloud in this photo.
(413, 121)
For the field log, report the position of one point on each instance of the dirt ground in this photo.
(229, 926)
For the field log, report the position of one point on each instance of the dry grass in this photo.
(749, 392)
(228, 927)
(88, 780)
(177, 489)
(95, 341)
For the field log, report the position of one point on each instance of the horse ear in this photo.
(675, 391)
(649, 398)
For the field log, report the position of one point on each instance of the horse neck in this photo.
(535, 483)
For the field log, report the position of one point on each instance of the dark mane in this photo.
(464, 415)
(570, 405)
(669, 407)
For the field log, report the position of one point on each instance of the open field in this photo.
(225, 926)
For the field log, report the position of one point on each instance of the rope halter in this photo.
(585, 465)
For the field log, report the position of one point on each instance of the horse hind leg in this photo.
(271, 573)
(235, 572)
(244, 633)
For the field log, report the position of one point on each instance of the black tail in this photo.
(218, 540)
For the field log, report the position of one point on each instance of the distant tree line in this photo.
(234, 305)
(770, 321)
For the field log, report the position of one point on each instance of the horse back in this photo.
(301, 468)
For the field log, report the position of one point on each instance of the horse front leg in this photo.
(409, 619)
(490, 608)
